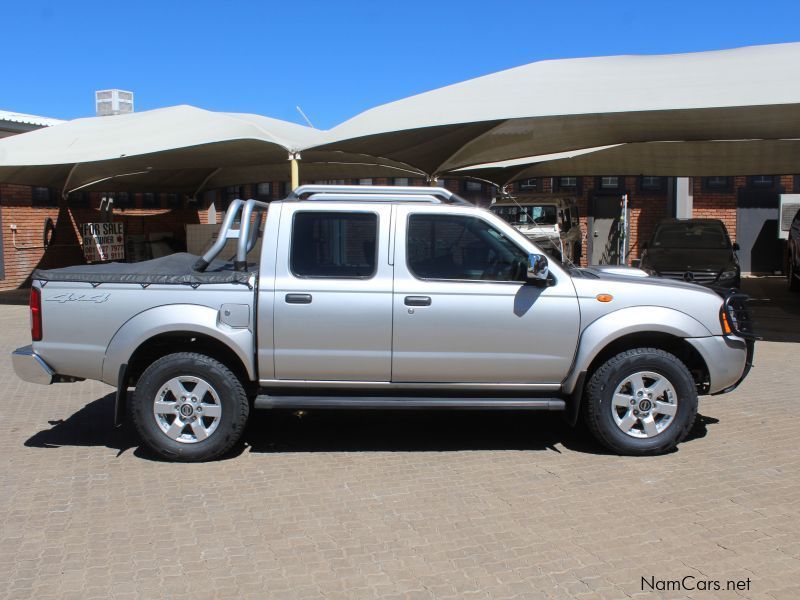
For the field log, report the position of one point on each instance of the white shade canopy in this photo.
(177, 148)
(725, 157)
(561, 105)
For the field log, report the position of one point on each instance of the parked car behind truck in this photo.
(382, 297)
(695, 250)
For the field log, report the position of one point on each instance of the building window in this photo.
(529, 185)
(473, 186)
(231, 193)
(653, 184)
(334, 244)
(717, 184)
(79, 199)
(609, 183)
(762, 181)
(567, 182)
(43, 196)
(174, 200)
(367, 181)
(401, 181)
(150, 200)
(263, 190)
(441, 182)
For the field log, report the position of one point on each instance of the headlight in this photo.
(727, 274)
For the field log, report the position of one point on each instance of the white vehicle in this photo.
(549, 221)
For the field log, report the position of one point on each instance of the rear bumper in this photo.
(30, 367)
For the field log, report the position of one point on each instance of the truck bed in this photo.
(173, 269)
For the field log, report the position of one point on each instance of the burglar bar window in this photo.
(529, 185)
(717, 183)
(401, 181)
(263, 190)
(79, 199)
(762, 181)
(567, 182)
(230, 194)
(651, 183)
(609, 183)
(174, 200)
(473, 186)
(150, 200)
(43, 196)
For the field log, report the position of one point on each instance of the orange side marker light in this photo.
(604, 297)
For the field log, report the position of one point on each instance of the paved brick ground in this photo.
(397, 505)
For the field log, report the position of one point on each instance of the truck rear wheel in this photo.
(189, 407)
(641, 401)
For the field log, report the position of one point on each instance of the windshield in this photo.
(530, 214)
(691, 235)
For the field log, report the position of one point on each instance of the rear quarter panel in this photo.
(80, 321)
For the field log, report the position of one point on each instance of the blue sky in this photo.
(334, 59)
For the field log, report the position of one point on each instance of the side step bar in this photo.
(408, 402)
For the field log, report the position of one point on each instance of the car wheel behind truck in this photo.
(642, 401)
(189, 407)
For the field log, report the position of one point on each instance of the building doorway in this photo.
(605, 228)
(757, 230)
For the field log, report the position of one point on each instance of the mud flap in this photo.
(121, 400)
(574, 403)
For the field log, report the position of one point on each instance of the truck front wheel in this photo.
(189, 407)
(641, 401)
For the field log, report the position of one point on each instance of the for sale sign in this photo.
(103, 241)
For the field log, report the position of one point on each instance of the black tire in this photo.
(602, 384)
(234, 407)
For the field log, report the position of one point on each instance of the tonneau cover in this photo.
(172, 269)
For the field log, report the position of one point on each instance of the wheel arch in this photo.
(646, 326)
(178, 328)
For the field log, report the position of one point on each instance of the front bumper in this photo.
(728, 359)
(30, 367)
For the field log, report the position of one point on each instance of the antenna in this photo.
(302, 114)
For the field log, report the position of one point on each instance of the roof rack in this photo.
(247, 234)
(377, 193)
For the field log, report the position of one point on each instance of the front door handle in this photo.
(418, 300)
(298, 298)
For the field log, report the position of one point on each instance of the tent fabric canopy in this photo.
(559, 105)
(178, 148)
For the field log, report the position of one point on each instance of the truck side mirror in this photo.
(537, 268)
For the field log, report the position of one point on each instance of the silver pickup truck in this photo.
(382, 297)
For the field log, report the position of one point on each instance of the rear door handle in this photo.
(418, 300)
(298, 298)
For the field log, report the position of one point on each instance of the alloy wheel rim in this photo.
(187, 409)
(644, 404)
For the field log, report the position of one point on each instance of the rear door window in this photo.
(334, 244)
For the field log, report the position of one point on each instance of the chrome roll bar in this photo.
(247, 234)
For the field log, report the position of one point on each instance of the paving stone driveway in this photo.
(412, 505)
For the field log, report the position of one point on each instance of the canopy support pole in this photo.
(294, 157)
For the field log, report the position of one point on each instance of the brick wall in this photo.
(712, 204)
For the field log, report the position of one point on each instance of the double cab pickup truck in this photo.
(382, 297)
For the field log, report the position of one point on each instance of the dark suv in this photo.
(694, 250)
(794, 254)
